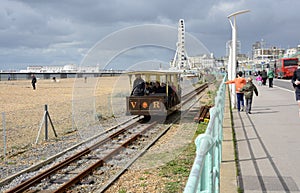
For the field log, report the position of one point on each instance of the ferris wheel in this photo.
(180, 60)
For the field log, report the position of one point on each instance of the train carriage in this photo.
(153, 92)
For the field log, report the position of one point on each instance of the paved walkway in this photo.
(268, 142)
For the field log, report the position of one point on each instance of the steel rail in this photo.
(52, 158)
(34, 180)
(193, 93)
(101, 161)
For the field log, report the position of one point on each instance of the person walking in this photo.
(239, 83)
(296, 85)
(33, 81)
(259, 80)
(270, 77)
(248, 90)
(264, 76)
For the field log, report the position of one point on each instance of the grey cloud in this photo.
(60, 31)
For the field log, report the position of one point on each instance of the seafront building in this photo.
(260, 57)
(263, 55)
(203, 61)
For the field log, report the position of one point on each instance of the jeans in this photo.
(248, 105)
(240, 100)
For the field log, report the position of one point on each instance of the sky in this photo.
(110, 33)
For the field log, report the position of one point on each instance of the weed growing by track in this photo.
(178, 170)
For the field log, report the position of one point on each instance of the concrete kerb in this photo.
(228, 182)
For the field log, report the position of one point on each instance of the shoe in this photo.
(242, 109)
(249, 113)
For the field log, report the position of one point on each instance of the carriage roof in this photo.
(155, 72)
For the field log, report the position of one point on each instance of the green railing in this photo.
(205, 173)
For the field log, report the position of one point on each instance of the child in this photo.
(259, 80)
(248, 92)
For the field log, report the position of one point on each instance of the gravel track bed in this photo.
(141, 177)
(33, 156)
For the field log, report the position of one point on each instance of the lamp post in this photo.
(262, 54)
(232, 56)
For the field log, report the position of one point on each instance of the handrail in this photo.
(205, 173)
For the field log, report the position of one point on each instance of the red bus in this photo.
(285, 67)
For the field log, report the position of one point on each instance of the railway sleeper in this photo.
(203, 114)
(197, 116)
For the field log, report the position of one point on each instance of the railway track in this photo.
(70, 171)
(106, 159)
(187, 97)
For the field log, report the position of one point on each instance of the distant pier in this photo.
(4, 76)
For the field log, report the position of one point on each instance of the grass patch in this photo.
(177, 171)
(122, 190)
(172, 187)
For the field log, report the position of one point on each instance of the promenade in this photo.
(268, 145)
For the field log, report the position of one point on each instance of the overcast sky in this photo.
(59, 32)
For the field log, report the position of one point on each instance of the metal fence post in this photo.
(46, 122)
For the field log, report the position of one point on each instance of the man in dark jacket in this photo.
(248, 90)
(296, 85)
(264, 76)
(33, 81)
